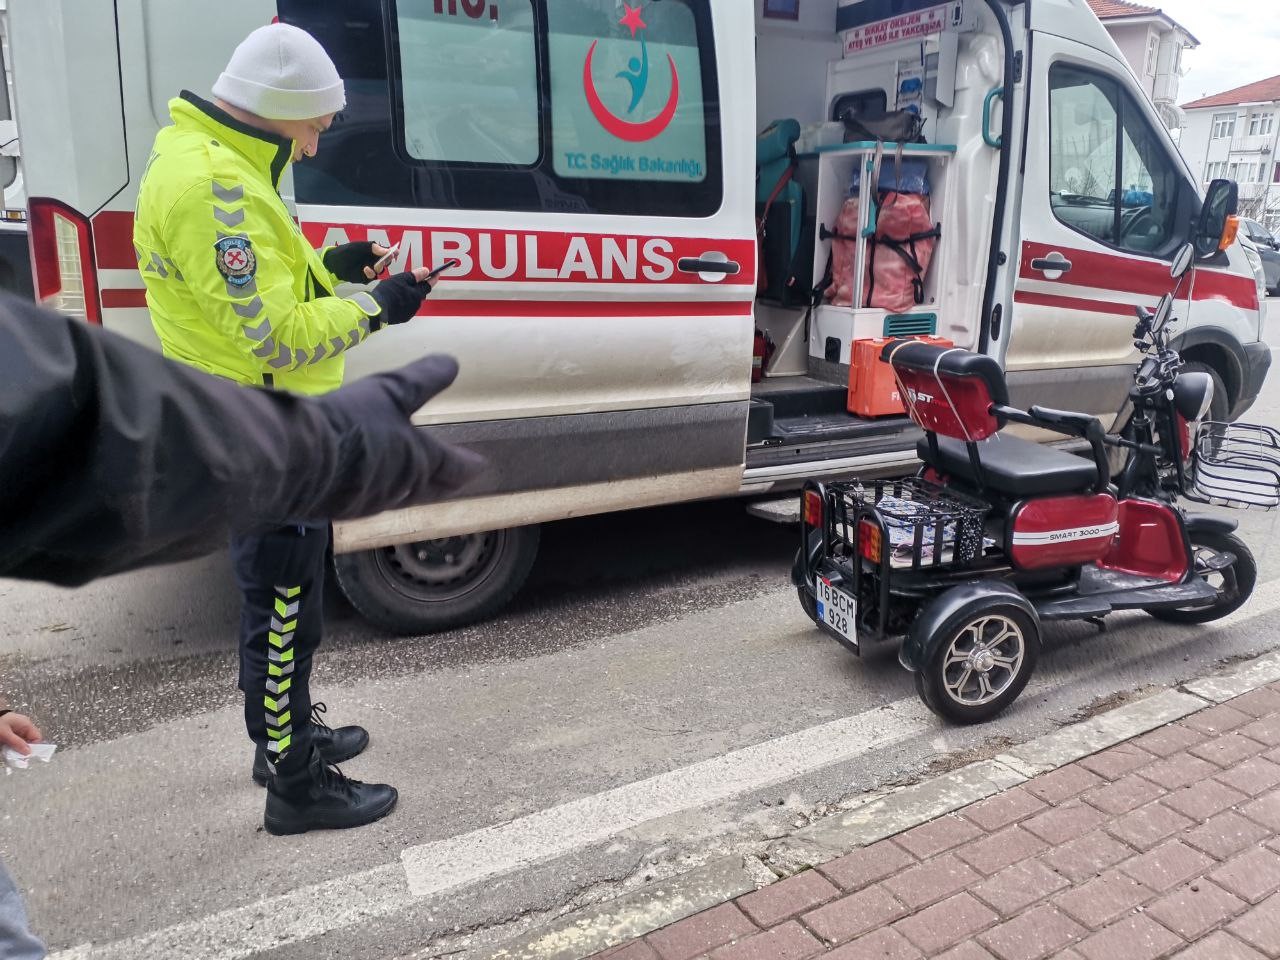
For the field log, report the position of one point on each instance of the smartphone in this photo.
(447, 265)
(385, 261)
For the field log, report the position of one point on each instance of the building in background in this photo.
(1235, 135)
(1152, 42)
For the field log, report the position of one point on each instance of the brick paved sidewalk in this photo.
(1167, 845)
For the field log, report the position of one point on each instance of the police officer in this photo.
(236, 290)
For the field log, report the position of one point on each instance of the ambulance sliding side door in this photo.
(591, 166)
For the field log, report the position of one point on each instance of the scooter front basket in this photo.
(1237, 465)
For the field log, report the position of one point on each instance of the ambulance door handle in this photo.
(709, 263)
(1054, 263)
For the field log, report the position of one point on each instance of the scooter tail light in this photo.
(812, 506)
(870, 541)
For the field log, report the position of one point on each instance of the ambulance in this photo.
(642, 197)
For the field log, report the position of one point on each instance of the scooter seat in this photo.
(1013, 467)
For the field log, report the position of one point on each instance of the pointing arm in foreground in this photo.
(112, 457)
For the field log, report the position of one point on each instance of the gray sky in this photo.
(1239, 43)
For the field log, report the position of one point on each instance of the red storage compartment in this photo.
(1062, 531)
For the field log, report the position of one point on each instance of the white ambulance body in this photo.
(592, 164)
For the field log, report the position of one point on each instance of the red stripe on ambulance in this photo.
(497, 255)
(1072, 303)
(1133, 275)
(522, 256)
(113, 241)
(445, 307)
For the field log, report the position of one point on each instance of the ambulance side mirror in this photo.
(1221, 204)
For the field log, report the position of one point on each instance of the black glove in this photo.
(348, 260)
(399, 297)
(385, 461)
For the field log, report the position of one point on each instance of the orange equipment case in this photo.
(873, 389)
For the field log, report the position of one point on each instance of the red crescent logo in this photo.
(625, 129)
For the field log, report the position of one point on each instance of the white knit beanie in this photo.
(281, 73)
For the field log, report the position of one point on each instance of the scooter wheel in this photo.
(985, 658)
(1235, 584)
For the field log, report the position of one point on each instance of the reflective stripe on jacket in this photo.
(233, 287)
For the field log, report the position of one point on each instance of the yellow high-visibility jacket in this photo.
(233, 286)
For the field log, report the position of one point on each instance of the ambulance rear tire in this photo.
(435, 585)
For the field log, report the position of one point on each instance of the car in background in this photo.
(1268, 249)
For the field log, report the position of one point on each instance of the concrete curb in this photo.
(593, 929)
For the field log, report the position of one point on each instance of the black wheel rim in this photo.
(437, 571)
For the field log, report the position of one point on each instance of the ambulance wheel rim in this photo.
(441, 569)
(983, 660)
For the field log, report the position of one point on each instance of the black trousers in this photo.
(281, 578)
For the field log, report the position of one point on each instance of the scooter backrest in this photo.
(947, 390)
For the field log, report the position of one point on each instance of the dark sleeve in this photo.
(112, 457)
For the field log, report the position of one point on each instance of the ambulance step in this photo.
(801, 396)
(779, 510)
(759, 421)
(834, 426)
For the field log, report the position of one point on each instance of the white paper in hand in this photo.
(13, 760)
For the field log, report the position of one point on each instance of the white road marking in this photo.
(433, 867)
(242, 932)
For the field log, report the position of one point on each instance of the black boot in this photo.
(336, 746)
(312, 795)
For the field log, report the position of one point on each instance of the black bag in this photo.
(868, 126)
(790, 276)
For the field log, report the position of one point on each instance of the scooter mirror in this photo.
(1164, 310)
(1182, 261)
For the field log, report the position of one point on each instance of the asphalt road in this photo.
(661, 645)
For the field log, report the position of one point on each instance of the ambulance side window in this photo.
(1110, 173)
(469, 86)
(544, 106)
(1083, 121)
(1150, 189)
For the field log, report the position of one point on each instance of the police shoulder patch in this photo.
(236, 260)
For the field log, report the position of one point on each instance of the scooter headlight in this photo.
(1193, 395)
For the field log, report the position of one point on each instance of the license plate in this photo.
(837, 609)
